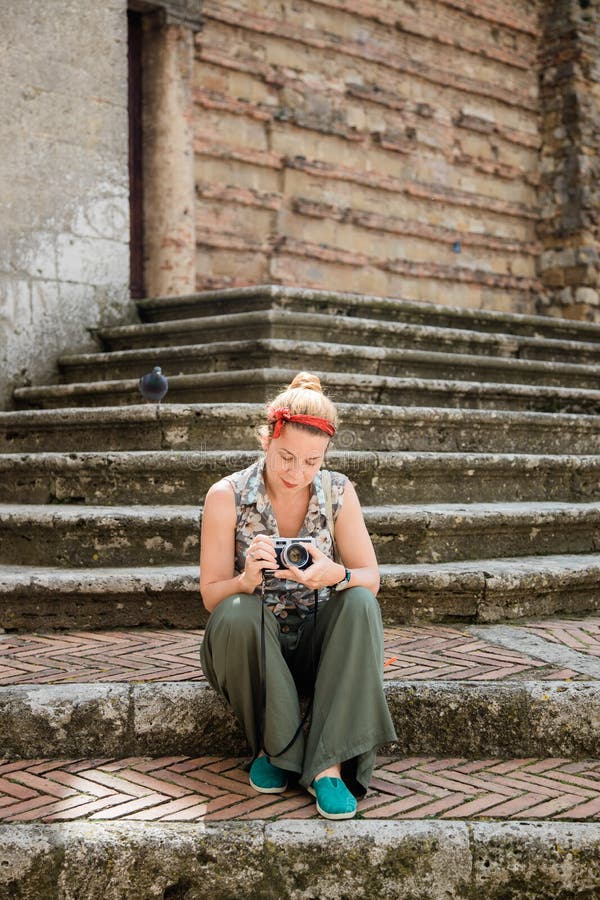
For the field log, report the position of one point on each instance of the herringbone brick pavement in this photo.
(411, 652)
(181, 789)
(578, 634)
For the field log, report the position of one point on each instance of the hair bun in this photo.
(308, 381)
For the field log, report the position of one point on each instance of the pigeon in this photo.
(154, 385)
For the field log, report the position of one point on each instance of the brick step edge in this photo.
(421, 858)
(446, 718)
(489, 590)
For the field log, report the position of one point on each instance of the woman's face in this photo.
(294, 458)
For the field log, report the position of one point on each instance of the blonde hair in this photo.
(304, 396)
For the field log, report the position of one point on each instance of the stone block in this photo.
(529, 860)
(90, 261)
(72, 720)
(587, 297)
(105, 215)
(249, 266)
(294, 270)
(567, 717)
(231, 82)
(234, 218)
(242, 174)
(184, 719)
(33, 253)
(221, 125)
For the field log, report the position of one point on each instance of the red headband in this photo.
(283, 414)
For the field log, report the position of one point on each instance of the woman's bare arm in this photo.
(354, 543)
(217, 547)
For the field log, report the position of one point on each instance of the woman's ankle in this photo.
(331, 772)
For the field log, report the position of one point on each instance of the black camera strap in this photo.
(263, 679)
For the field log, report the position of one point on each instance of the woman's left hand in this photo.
(323, 572)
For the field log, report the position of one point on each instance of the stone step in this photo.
(108, 536)
(145, 694)
(250, 385)
(224, 427)
(308, 355)
(127, 758)
(304, 326)
(175, 476)
(482, 590)
(260, 859)
(337, 304)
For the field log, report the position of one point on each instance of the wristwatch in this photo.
(342, 584)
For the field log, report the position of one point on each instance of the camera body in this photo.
(292, 552)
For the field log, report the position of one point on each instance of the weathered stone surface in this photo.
(107, 536)
(250, 385)
(364, 305)
(566, 584)
(371, 860)
(70, 720)
(146, 861)
(213, 426)
(371, 326)
(175, 476)
(430, 534)
(328, 357)
(471, 719)
(146, 535)
(489, 590)
(534, 861)
(183, 719)
(64, 260)
(35, 597)
(416, 860)
(31, 861)
(565, 716)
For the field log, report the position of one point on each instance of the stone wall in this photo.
(388, 147)
(64, 216)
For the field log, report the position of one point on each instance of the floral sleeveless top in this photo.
(255, 516)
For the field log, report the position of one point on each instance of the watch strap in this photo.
(347, 576)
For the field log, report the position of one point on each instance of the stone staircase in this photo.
(473, 438)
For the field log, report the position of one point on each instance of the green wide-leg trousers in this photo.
(350, 718)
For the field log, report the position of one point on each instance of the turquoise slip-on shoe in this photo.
(334, 800)
(267, 778)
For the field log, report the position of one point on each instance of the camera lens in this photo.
(295, 555)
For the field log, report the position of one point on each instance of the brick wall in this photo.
(569, 226)
(387, 146)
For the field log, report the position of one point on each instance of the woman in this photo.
(333, 649)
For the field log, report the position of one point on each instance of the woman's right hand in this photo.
(260, 555)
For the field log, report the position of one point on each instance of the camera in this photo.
(292, 552)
